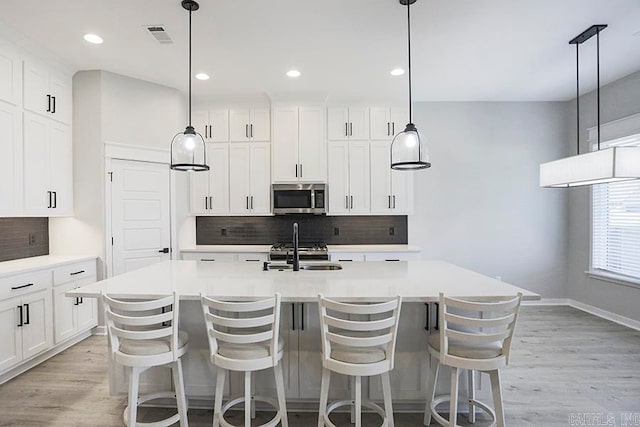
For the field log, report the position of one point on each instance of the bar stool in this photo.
(144, 334)
(244, 336)
(357, 348)
(477, 337)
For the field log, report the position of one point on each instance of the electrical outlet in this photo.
(392, 231)
(32, 239)
(223, 231)
(336, 231)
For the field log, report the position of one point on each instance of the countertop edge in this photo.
(41, 263)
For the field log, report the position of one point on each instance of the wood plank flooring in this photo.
(564, 362)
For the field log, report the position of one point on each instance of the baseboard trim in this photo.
(99, 330)
(616, 318)
(548, 301)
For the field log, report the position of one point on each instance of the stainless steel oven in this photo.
(299, 199)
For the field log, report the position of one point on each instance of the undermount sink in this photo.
(314, 266)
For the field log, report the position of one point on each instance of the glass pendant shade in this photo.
(407, 150)
(188, 152)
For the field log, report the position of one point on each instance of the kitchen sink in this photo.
(311, 267)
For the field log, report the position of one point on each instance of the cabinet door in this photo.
(219, 122)
(338, 179)
(199, 190)
(239, 125)
(36, 165)
(380, 125)
(10, 334)
(260, 125)
(36, 88)
(399, 119)
(239, 185)
(358, 123)
(11, 159)
(381, 196)
(37, 332)
(64, 313)
(260, 177)
(200, 122)
(312, 153)
(402, 191)
(87, 308)
(62, 98)
(359, 177)
(61, 168)
(218, 158)
(10, 79)
(285, 144)
(338, 123)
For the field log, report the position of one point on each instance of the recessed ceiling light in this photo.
(202, 76)
(93, 38)
(397, 72)
(293, 73)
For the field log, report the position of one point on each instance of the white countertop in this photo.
(39, 262)
(332, 248)
(357, 281)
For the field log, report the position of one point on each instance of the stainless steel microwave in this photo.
(299, 199)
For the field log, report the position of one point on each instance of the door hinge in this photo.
(110, 176)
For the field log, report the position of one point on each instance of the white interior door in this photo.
(140, 223)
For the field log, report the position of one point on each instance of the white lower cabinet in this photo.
(73, 315)
(249, 257)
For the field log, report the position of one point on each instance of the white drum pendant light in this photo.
(187, 148)
(597, 167)
(407, 150)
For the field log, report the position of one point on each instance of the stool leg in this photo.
(134, 381)
(352, 408)
(497, 397)
(217, 406)
(471, 395)
(282, 403)
(253, 393)
(434, 366)
(324, 396)
(358, 401)
(453, 405)
(388, 403)
(181, 399)
(247, 399)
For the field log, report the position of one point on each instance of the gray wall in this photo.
(480, 206)
(618, 100)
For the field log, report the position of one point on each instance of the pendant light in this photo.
(187, 148)
(597, 167)
(407, 150)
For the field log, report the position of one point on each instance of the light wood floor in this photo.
(564, 361)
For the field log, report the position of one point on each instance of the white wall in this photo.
(480, 205)
(618, 100)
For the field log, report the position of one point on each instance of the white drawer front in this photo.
(346, 256)
(210, 256)
(74, 272)
(392, 256)
(21, 284)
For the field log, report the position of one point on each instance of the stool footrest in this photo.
(366, 404)
(446, 398)
(153, 396)
(233, 402)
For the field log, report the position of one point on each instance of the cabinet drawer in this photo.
(74, 272)
(392, 256)
(21, 284)
(347, 256)
(210, 256)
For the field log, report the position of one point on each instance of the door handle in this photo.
(48, 103)
(164, 251)
(26, 322)
(20, 314)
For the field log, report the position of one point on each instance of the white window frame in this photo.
(611, 131)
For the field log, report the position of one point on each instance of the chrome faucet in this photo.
(296, 255)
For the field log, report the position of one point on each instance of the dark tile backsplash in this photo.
(333, 230)
(23, 238)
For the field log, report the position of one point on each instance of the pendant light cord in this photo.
(409, 49)
(577, 98)
(189, 66)
(598, 78)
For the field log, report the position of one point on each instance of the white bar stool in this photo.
(358, 348)
(244, 336)
(144, 334)
(477, 337)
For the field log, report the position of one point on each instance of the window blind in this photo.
(616, 222)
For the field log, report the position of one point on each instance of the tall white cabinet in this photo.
(349, 177)
(213, 125)
(249, 124)
(249, 181)
(391, 190)
(386, 122)
(47, 91)
(344, 123)
(209, 191)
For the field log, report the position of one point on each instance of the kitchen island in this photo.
(418, 282)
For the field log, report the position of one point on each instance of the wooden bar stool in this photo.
(477, 337)
(144, 334)
(244, 336)
(358, 348)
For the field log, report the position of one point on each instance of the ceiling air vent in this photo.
(158, 32)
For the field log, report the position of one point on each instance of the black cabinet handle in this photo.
(388, 129)
(389, 201)
(251, 130)
(392, 260)
(246, 131)
(293, 316)
(251, 202)
(49, 194)
(351, 202)
(300, 170)
(53, 110)
(206, 201)
(48, 103)
(437, 326)
(346, 202)
(252, 260)
(302, 317)
(207, 259)
(81, 300)
(393, 128)
(76, 301)
(296, 170)
(55, 199)
(20, 311)
(75, 273)
(13, 288)
(210, 202)
(346, 129)
(394, 201)
(27, 310)
(164, 251)
(426, 317)
(345, 260)
(247, 197)
(350, 128)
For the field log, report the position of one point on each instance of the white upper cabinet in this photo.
(338, 154)
(213, 125)
(349, 178)
(10, 160)
(260, 179)
(391, 190)
(47, 92)
(386, 122)
(249, 125)
(299, 147)
(249, 179)
(10, 76)
(348, 123)
(359, 177)
(209, 191)
(48, 167)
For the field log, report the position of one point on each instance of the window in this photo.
(616, 222)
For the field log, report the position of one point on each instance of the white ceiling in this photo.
(463, 50)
